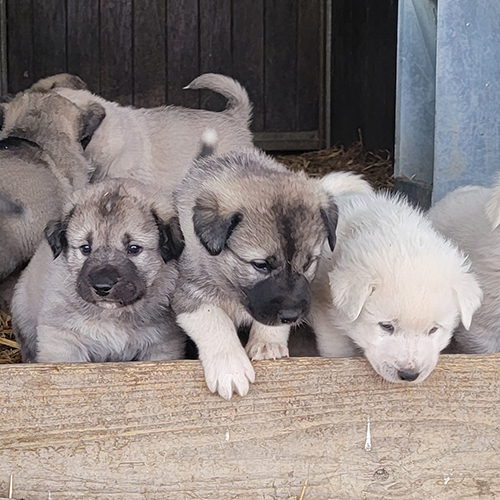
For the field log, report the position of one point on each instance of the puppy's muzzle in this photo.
(408, 375)
(103, 283)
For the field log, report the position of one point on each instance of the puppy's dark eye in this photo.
(261, 265)
(387, 327)
(85, 249)
(433, 330)
(134, 250)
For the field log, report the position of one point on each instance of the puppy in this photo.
(158, 145)
(470, 217)
(41, 163)
(254, 232)
(393, 289)
(99, 288)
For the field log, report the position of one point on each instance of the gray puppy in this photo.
(254, 232)
(41, 162)
(158, 146)
(98, 289)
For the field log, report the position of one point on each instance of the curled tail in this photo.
(9, 207)
(345, 182)
(239, 104)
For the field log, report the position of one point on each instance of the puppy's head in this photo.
(116, 237)
(400, 306)
(264, 231)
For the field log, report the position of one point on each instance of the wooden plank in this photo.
(116, 50)
(309, 53)
(149, 53)
(49, 37)
(83, 42)
(248, 54)
(215, 46)
(20, 47)
(153, 431)
(182, 52)
(281, 65)
(287, 141)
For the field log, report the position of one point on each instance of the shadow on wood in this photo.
(153, 431)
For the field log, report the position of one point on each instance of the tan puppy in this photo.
(99, 289)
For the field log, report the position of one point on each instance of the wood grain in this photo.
(153, 431)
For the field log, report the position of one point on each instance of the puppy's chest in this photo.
(108, 340)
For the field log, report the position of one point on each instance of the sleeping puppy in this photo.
(393, 289)
(158, 145)
(254, 232)
(470, 217)
(99, 288)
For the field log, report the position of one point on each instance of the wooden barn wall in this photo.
(364, 42)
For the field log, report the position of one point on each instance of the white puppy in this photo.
(393, 289)
(470, 217)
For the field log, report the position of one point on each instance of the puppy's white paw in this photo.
(228, 373)
(266, 350)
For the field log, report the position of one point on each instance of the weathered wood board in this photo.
(153, 431)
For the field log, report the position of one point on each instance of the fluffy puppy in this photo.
(254, 232)
(470, 217)
(99, 288)
(393, 288)
(41, 162)
(158, 145)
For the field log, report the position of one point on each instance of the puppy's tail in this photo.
(337, 183)
(209, 141)
(238, 105)
(493, 205)
(10, 207)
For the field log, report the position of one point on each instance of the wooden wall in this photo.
(152, 431)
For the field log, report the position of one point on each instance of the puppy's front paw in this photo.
(228, 373)
(266, 350)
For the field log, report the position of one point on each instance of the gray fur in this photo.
(59, 316)
(234, 209)
(157, 146)
(9, 206)
(41, 163)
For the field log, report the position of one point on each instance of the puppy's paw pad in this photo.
(266, 350)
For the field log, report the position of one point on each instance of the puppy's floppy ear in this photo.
(90, 119)
(171, 238)
(211, 227)
(330, 216)
(469, 296)
(55, 232)
(350, 293)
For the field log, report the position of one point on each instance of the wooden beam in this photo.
(153, 431)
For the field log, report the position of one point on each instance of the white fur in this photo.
(390, 266)
(227, 367)
(470, 217)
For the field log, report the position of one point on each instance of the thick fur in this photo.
(254, 231)
(470, 217)
(107, 304)
(158, 145)
(393, 288)
(41, 163)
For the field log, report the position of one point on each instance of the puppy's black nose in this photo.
(104, 284)
(290, 315)
(408, 375)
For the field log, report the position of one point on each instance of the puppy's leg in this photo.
(332, 341)
(56, 346)
(268, 342)
(227, 367)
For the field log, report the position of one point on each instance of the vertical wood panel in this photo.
(182, 51)
(20, 44)
(309, 53)
(149, 53)
(49, 37)
(248, 53)
(83, 41)
(116, 50)
(215, 46)
(281, 65)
